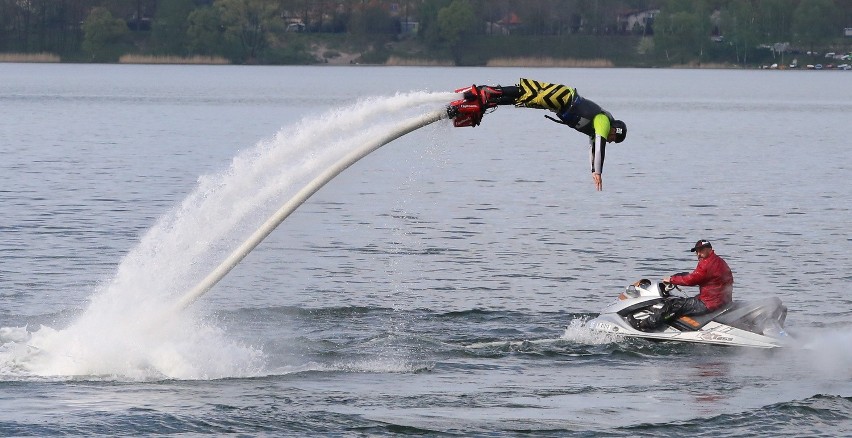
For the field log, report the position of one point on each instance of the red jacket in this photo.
(715, 281)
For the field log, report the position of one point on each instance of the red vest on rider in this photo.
(714, 279)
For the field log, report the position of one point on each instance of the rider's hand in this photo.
(667, 280)
(598, 181)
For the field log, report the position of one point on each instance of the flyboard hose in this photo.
(299, 198)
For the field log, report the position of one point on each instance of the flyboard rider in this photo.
(571, 109)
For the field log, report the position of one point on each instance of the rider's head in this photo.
(617, 131)
(702, 248)
(701, 244)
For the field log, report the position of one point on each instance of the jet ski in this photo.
(757, 324)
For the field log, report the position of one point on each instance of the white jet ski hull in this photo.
(758, 324)
(712, 333)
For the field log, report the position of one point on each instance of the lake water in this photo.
(440, 285)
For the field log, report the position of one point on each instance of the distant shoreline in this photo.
(393, 61)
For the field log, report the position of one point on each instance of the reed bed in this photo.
(397, 61)
(29, 57)
(147, 59)
(549, 62)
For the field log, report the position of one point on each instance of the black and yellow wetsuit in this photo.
(572, 109)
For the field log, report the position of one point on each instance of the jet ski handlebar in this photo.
(667, 287)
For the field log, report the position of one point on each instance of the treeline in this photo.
(281, 31)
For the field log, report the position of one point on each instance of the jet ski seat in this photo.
(695, 322)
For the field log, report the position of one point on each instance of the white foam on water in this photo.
(128, 330)
(577, 331)
(827, 351)
(381, 365)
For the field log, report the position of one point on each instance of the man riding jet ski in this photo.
(745, 324)
(716, 288)
(649, 311)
